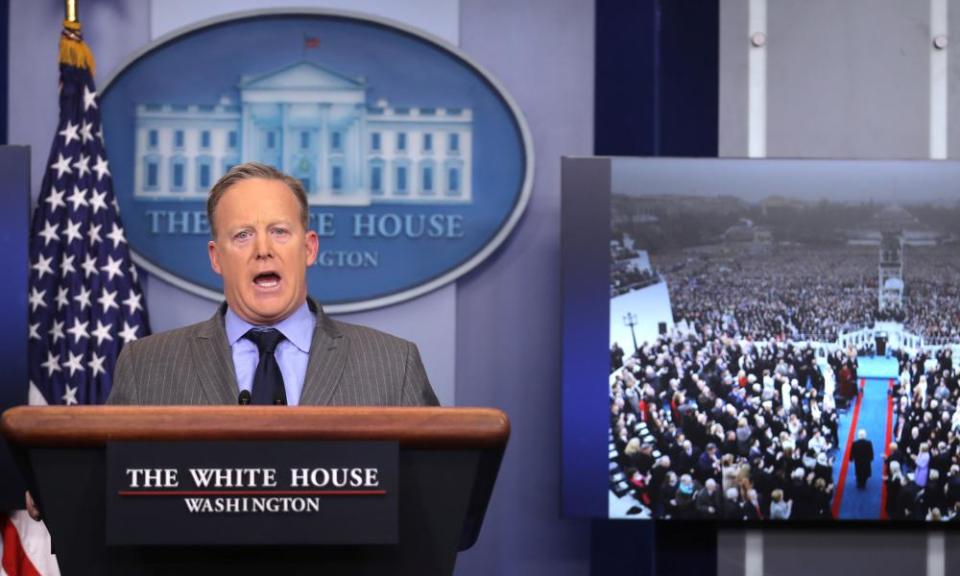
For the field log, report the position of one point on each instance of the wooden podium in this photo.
(448, 462)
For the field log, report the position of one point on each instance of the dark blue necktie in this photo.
(267, 380)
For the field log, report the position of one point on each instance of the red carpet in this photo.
(851, 436)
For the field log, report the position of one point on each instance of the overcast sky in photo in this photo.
(887, 181)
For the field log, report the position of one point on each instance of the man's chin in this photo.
(268, 312)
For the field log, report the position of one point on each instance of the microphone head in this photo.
(244, 397)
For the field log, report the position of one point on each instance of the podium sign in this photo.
(436, 467)
(252, 493)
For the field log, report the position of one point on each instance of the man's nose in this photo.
(263, 246)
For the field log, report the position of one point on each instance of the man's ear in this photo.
(214, 257)
(313, 247)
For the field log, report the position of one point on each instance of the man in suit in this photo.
(268, 339)
(862, 455)
(261, 247)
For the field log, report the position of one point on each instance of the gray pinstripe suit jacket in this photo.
(348, 365)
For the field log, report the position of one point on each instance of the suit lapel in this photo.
(214, 364)
(328, 357)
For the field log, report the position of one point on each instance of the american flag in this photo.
(85, 302)
(84, 297)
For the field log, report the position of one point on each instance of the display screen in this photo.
(781, 338)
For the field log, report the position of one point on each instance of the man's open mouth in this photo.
(267, 279)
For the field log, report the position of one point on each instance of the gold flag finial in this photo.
(71, 11)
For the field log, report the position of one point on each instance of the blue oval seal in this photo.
(416, 162)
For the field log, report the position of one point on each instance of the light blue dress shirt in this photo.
(292, 353)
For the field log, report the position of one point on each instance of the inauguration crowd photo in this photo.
(803, 370)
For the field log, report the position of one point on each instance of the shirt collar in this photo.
(297, 328)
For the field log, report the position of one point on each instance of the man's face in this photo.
(261, 250)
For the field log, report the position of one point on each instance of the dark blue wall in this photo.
(657, 77)
(14, 230)
(657, 86)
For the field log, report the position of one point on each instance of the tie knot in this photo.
(266, 340)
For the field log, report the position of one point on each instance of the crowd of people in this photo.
(932, 279)
(804, 293)
(707, 427)
(922, 465)
(733, 418)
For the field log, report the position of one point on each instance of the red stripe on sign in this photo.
(886, 450)
(838, 497)
(14, 560)
(252, 492)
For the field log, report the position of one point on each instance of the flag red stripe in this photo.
(838, 497)
(15, 561)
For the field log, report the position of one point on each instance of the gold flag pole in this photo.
(71, 10)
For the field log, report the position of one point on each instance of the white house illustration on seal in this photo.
(317, 125)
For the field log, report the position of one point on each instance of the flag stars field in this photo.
(86, 132)
(89, 265)
(36, 299)
(85, 301)
(111, 268)
(133, 302)
(55, 199)
(62, 300)
(69, 133)
(70, 396)
(56, 331)
(107, 300)
(96, 364)
(78, 198)
(74, 363)
(62, 166)
(97, 202)
(42, 266)
(129, 332)
(78, 330)
(52, 364)
(66, 264)
(49, 233)
(89, 98)
(82, 165)
(93, 234)
(83, 297)
(116, 235)
(101, 333)
(73, 231)
(101, 168)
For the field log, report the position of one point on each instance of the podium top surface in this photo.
(91, 426)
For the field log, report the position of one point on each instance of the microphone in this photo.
(244, 397)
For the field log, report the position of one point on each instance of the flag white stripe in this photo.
(35, 541)
(35, 397)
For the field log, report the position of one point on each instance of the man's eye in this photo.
(242, 235)
(281, 231)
